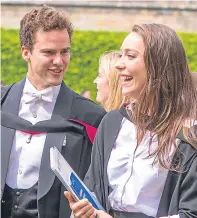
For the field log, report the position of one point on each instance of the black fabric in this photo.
(49, 204)
(103, 144)
(120, 214)
(180, 191)
(4, 92)
(17, 123)
(19, 203)
(124, 113)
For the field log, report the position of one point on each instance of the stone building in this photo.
(115, 15)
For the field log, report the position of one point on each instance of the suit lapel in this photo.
(10, 105)
(62, 108)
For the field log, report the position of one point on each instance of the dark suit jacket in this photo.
(69, 106)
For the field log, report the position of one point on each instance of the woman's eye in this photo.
(130, 56)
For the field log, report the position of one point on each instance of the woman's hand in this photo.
(102, 214)
(82, 208)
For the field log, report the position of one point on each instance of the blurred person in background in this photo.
(109, 92)
(86, 93)
(140, 168)
(40, 112)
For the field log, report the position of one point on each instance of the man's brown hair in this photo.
(42, 18)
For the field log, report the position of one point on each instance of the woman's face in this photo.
(131, 66)
(102, 84)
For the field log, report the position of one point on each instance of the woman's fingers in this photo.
(69, 197)
(91, 213)
(82, 208)
(102, 214)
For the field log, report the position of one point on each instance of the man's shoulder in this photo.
(87, 105)
(4, 91)
(87, 111)
(6, 87)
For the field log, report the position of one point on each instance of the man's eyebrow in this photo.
(47, 49)
(51, 49)
(67, 49)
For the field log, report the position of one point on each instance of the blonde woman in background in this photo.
(109, 92)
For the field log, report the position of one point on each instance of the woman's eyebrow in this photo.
(129, 49)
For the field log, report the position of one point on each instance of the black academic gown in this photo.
(179, 196)
(71, 109)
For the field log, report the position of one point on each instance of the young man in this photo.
(40, 112)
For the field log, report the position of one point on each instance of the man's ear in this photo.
(25, 53)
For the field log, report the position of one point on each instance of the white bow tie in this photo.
(35, 96)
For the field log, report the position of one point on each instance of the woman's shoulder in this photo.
(120, 113)
(110, 123)
(188, 132)
(112, 117)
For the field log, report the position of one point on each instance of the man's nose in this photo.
(58, 59)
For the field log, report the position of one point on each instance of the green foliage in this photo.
(189, 41)
(87, 46)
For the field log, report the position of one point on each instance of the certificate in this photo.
(70, 180)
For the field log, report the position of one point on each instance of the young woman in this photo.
(109, 92)
(144, 160)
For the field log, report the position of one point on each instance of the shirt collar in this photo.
(30, 88)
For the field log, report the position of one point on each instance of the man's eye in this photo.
(49, 52)
(65, 51)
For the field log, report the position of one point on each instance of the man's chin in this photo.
(55, 82)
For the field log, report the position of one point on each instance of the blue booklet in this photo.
(70, 180)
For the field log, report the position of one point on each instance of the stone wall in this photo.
(112, 15)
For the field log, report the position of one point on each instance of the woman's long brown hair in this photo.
(169, 96)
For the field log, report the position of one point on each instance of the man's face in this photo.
(48, 59)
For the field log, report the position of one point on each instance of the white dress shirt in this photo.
(26, 153)
(137, 184)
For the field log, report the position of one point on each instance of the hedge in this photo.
(87, 46)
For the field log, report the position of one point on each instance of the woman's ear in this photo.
(25, 53)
